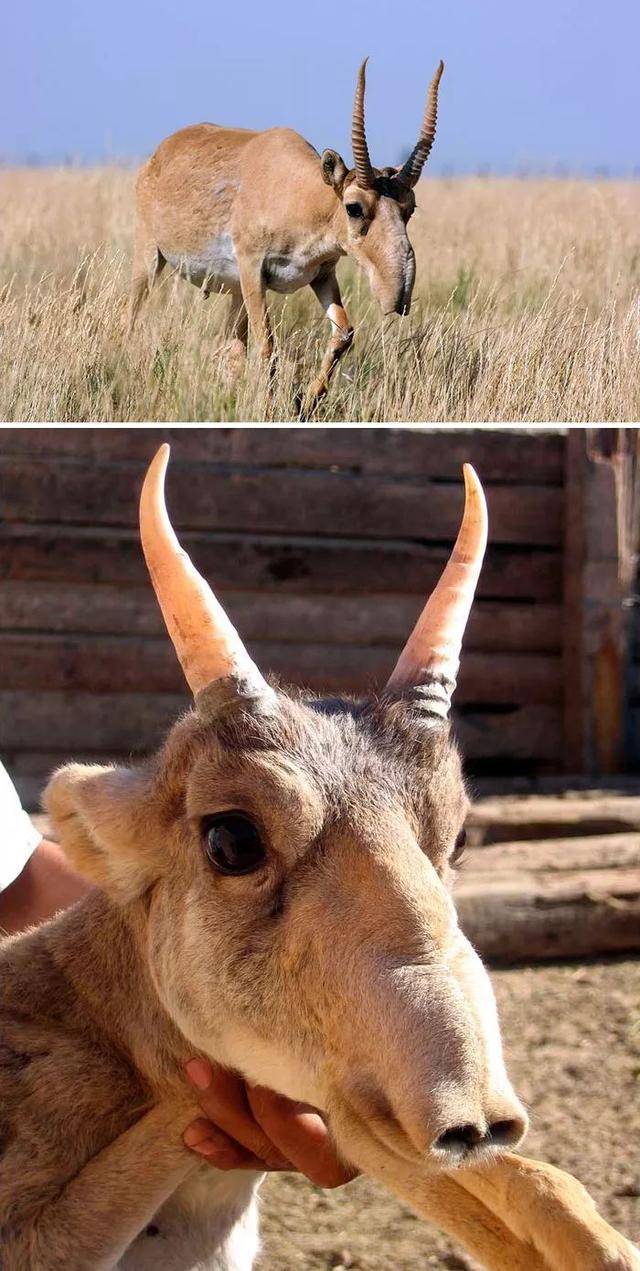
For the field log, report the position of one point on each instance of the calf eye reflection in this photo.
(232, 843)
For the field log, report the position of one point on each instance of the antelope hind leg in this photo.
(148, 263)
(235, 352)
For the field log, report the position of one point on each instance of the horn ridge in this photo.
(411, 171)
(364, 169)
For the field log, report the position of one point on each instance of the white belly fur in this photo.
(289, 273)
(209, 1224)
(215, 268)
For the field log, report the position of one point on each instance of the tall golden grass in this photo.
(526, 308)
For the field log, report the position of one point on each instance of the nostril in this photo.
(460, 1137)
(507, 1132)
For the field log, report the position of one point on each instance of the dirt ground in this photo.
(572, 1039)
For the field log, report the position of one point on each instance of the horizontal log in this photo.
(552, 856)
(575, 916)
(92, 492)
(498, 454)
(107, 663)
(361, 620)
(73, 724)
(241, 562)
(503, 819)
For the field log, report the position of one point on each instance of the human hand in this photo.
(250, 1127)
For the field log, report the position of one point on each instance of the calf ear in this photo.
(101, 817)
(334, 169)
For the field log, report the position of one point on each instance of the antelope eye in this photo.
(232, 843)
(355, 210)
(458, 851)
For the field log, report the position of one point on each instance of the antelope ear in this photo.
(334, 170)
(102, 820)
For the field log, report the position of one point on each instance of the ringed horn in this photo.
(432, 652)
(206, 642)
(409, 174)
(364, 170)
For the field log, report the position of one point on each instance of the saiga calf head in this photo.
(292, 859)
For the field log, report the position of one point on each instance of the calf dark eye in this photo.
(355, 210)
(232, 843)
(457, 855)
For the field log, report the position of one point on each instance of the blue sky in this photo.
(539, 84)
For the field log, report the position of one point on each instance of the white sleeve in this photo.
(18, 836)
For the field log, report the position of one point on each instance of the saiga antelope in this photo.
(243, 212)
(274, 894)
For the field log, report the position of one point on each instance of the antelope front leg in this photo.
(328, 292)
(108, 1203)
(518, 1215)
(512, 1214)
(550, 1210)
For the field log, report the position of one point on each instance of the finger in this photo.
(217, 1148)
(301, 1135)
(222, 1097)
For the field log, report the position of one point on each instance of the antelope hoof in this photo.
(306, 406)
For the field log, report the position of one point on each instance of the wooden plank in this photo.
(241, 562)
(516, 735)
(578, 915)
(594, 619)
(103, 663)
(573, 565)
(277, 500)
(499, 454)
(548, 816)
(75, 723)
(366, 619)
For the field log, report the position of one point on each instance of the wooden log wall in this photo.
(322, 544)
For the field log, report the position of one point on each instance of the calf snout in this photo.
(459, 1141)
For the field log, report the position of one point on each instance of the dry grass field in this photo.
(527, 307)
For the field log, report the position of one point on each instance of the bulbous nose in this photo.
(459, 1140)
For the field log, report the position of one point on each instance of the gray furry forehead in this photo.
(298, 723)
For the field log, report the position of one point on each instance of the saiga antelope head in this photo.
(379, 203)
(289, 860)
